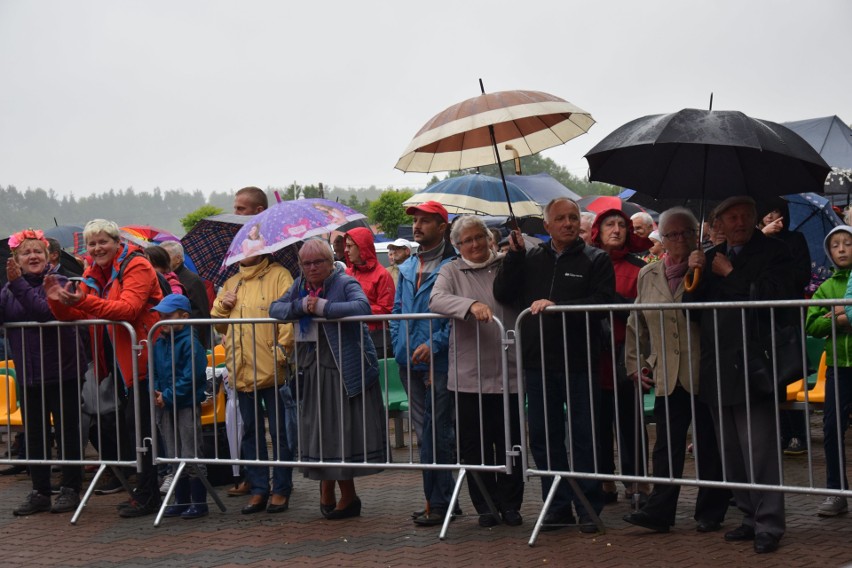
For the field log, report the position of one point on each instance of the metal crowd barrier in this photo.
(613, 357)
(290, 407)
(96, 415)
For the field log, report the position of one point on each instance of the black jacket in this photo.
(763, 270)
(581, 275)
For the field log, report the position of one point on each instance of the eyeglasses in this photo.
(471, 240)
(308, 264)
(680, 235)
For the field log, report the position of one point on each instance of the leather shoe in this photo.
(273, 507)
(765, 543)
(556, 521)
(353, 509)
(13, 470)
(513, 518)
(326, 509)
(242, 488)
(646, 521)
(255, 505)
(742, 532)
(708, 526)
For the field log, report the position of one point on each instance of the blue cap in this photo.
(172, 303)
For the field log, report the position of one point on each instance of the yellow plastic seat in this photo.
(218, 356)
(10, 413)
(207, 408)
(816, 394)
(794, 389)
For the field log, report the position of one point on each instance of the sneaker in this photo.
(34, 503)
(67, 501)
(108, 485)
(137, 509)
(167, 482)
(795, 448)
(832, 506)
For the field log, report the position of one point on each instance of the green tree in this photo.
(192, 219)
(387, 211)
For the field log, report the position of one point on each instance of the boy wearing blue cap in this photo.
(180, 376)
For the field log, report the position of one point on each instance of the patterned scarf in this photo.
(675, 272)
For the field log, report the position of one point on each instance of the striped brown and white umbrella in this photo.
(458, 137)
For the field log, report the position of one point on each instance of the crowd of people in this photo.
(314, 386)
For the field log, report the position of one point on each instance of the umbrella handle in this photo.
(691, 283)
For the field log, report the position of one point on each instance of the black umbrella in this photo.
(707, 154)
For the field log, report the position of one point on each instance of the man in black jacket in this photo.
(562, 272)
(748, 266)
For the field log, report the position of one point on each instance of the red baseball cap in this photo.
(429, 207)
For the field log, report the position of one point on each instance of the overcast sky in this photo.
(216, 95)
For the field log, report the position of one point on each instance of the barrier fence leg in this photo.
(165, 502)
(582, 497)
(547, 502)
(88, 493)
(477, 478)
(452, 504)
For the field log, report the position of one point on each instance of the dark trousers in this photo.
(548, 435)
(146, 480)
(485, 444)
(628, 444)
(837, 408)
(711, 504)
(764, 510)
(63, 403)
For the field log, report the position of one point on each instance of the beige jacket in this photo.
(253, 350)
(655, 335)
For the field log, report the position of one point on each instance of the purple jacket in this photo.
(23, 300)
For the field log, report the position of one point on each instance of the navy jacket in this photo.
(190, 361)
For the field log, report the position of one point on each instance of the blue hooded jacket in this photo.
(189, 356)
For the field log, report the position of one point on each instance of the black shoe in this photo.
(280, 508)
(646, 521)
(137, 509)
(556, 521)
(488, 520)
(708, 526)
(353, 509)
(13, 470)
(254, 507)
(765, 543)
(742, 532)
(433, 518)
(420, 513)
(513, 518)
(326, 509)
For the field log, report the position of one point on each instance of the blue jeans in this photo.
(253, 444)
(437, 484)
(549, 450)
(835, 455)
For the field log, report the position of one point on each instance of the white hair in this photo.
(676, 212)
(463, 222)
(96, 226)
(553, 202)
(643, 217)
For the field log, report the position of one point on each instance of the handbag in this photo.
(100, 397)
(768, 374)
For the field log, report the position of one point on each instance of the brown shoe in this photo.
(239, 490)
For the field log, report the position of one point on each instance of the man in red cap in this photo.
(421, 348)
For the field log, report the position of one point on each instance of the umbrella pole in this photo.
(512, 220)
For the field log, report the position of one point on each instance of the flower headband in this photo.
(18, 238)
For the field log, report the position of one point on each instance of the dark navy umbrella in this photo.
(813, 216)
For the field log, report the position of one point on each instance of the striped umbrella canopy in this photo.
(207, 244)
(459, 138)
(478, 194)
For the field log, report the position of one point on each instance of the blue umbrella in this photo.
(813, 216)
(478, 194)
(542, 187)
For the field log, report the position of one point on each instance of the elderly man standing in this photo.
(643, 224)
(748, 266)
(564, 271)
(420, 348)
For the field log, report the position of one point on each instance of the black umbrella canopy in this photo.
(707, 154)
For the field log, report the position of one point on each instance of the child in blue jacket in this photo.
(180, 376)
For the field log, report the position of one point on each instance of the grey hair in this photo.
(463, 222)
(676, 212)
(317, 246)
(174, 248)
(96, 226)
(553, 202)
(590, 215)
(644, 217)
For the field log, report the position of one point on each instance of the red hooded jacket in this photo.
(372, 276)
(626, 266)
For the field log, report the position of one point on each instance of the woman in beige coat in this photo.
(667, 359)
(463, 291)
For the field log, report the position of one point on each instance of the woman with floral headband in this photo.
(48, 365)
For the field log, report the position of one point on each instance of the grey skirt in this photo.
(336, 428)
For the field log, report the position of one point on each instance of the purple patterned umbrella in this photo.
(207, 244)
(285, 224)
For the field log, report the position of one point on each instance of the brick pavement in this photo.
(385, 536)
